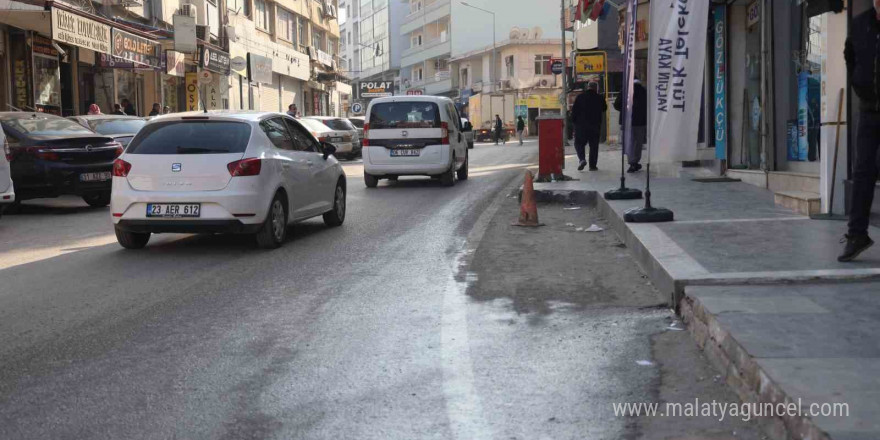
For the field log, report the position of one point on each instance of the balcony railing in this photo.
(425, 46)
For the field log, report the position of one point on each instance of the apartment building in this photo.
(428, 48)
(259, 54)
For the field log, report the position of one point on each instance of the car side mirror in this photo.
(329, 149)
(468, 127)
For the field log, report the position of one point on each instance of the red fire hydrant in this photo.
(551, 154)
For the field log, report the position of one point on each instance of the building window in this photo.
(416, 6)
(418, 74)
(542, 64)
(508, 61)
(331, 46)
(286, 25)
(301, 26)
(464, 78)
(261, 17)
(318, 40)
(417, 41)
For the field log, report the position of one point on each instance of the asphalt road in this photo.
(424, 316)
(342, 333)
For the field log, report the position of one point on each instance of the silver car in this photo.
(337, 131)
(121, 128)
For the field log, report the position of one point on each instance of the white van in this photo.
(7, 194)
(414, 136)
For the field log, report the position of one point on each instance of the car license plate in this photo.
(95, 177)
(335, 139)
(173, 210)
(405, 153)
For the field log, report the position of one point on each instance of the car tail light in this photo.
(119, 150)
(444, 133)
(245, 167)
(366, 140)
(40, 153)
(121, 168)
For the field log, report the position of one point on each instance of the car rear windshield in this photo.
(405, 115)
(313, 125)
(119, 126)
(359, 123)
(191, 137)
(338, 124)
(40, 126)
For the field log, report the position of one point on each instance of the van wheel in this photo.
(448, 178)
(463, 171)
(131, 240)
(370, 180)
(337, 215)
(274, 229)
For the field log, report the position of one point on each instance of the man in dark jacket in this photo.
(862, 55)
(499, 129)
(587, 114)
(639, 124)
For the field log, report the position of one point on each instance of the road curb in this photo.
(739, 369)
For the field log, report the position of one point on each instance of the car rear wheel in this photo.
(463, 171)
(274, 230)
(131, 240)
(337, 216)
(370, 180)
(448, 178)
(97, 199)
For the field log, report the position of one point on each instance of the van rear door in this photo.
(403, 129)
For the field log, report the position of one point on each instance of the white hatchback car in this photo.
(414, 135)
(7, 192)
(224, 172)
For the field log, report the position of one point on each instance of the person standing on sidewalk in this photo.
(520, 128)
(499, 128)
(862, 55)
(639, 124)
(586, 114)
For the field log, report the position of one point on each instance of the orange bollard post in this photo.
(528, 211)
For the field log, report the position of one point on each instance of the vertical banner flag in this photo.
(720, 19)
(629, 74)
(677, 54)
(803, 119)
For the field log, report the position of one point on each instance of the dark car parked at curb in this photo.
(121, 128)
(50, 156)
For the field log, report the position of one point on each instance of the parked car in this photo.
(7, 191)
(336, 131)
(52, 156)
(468, 132)
(121, 128)
(358, 122)
(224, 172)
(414, 135)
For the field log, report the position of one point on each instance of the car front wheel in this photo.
(337, 216)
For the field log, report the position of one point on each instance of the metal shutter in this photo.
(269, 95)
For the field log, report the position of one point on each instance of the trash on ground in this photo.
(676, 326)
(571, 208)
(644, 363)
(569, 224)
(595, 228)
(578, 229)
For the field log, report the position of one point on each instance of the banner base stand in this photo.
(829, 216)
(648, 215)
(623, 194)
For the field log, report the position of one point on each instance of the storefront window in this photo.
(172, 86)
(47, 79)
(126, 89)
(753, 107)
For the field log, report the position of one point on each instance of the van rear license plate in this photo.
(405, 153)
(174, 210)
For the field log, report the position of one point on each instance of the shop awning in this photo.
(25, 16)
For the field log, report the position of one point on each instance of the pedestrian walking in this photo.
(587, 114)
(520, 128)
(94, 109)
(128, 108)
(117, 110)
(639, 124)
(499, 128)
(155, 110)
(861, 54)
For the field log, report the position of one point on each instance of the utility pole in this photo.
(564, 77)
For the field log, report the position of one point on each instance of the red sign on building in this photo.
(416, 92)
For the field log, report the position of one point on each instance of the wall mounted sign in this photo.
(720, 19)
(215, 60)
(80, 31)
(376, 89)
(134, 48)
(192, 91)
(259, 68)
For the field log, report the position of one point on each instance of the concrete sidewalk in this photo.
(760, 289)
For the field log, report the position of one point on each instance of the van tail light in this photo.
(121, 168)
(245, 167)
(323, 138)
(366, 140)
(444, 133)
